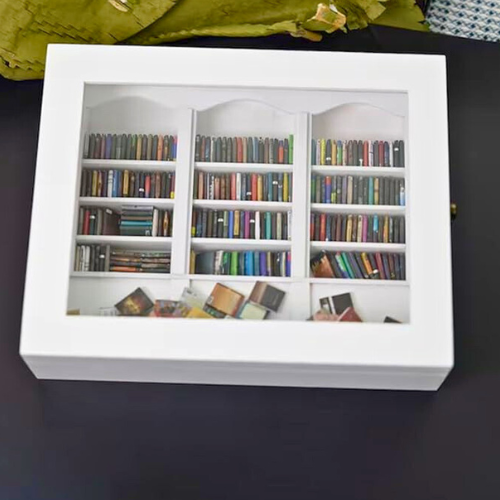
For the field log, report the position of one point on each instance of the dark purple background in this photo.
(78, 440)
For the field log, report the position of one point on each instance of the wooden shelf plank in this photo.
(347, 170)
(239, 244)
(117, 275)
(142, 165)
(243, 205)
(358, 209)
(345, 246)
(129, 242)
(357, 282)
(242, 167)
(92, 201)
(219, 278)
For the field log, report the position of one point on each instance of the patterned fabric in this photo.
(479, 19)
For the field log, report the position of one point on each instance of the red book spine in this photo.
(254, 187)
(311, 227)
(223, 187)
(380, 266)
(381, 153)
(86, 221)
(147, 187)
(239, 150)
(233, 186)
(322, 227)
(217, 189)
(365, 154)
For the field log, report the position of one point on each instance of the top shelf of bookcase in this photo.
(141, 165)
(243, 167)
(347, 170)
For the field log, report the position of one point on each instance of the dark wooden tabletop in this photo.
(79, 440)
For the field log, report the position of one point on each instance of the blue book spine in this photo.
(174, 148)
(115, 183)
(256, 263)
(268, 225)
(250, 264)
(375, 228)
(328, 228)
(370, 191)
(288, 264)
(231, 224)
(348, 265)
(328, 192)
(263, 266)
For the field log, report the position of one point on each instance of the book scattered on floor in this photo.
(267, 296)
(388, 319)
(350, 315)
(252, 311)
(336, 304)
(135, 304)
(225, 300)
(73, 312)
(164, 308)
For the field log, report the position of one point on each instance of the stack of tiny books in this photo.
(223, 302)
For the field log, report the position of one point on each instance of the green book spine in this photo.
(290, 149)
(350, 271)
(234, 264)
(313, 188)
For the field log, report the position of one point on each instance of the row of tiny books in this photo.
(103, 258)
(223, 302)
(359, 265)
(357, 228)
(340, 308)
(355, 153)
(127, 184)
(133, 221)
(241, 224)
(245, 263)
(241, 186)
(244, 149)
(130, 147)
(348, 189)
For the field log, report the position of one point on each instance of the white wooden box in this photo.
(187, 92)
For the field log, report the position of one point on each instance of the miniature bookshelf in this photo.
(244, 113)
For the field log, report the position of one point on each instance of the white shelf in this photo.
(128, 242)
(357, 282)
(92, 201)
(347, 170)
(242, 205)
(239, 244)
(218, 278)
(242, 167)
(120, 275)
(146, 165)
(358, 209)
(350, 246)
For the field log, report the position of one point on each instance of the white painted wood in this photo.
(126, 89)
(208, 244)
(368, 171)
(158, 243)
(348, 246)
(141, 165)
(243, 205)
(118, 203)
(358, 209)
(242, 167)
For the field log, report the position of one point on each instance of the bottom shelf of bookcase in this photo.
(91, 293)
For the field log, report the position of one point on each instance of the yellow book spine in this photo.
(192, 263)
(236, 223)
(285, 186)
(139, 148)
(359, 233)
(386, 229)
(94, 183)
(334, 152)
(323, 152)
(348, 235)
(366, 262)
(376, 191)
(259, 188)
(125, 183)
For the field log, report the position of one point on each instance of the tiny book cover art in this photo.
(135, 304)
(267, 296)
(336, 304)
(350, 315)
(321, 266)
(252, 311)
(225, 300)
(164, 308)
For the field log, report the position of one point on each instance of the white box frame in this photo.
(417, 355)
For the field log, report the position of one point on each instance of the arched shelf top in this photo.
(245, 103)
(356, 106)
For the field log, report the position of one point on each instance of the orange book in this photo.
(157, 185)
(254, 187)
(365, 153)
(99, 183)
(147, 188)
(139, 147)
(366, 262)
(200, 193)
(280, 152)
(322, 227)
(239, 150)
(217, 188)
(233, 186)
